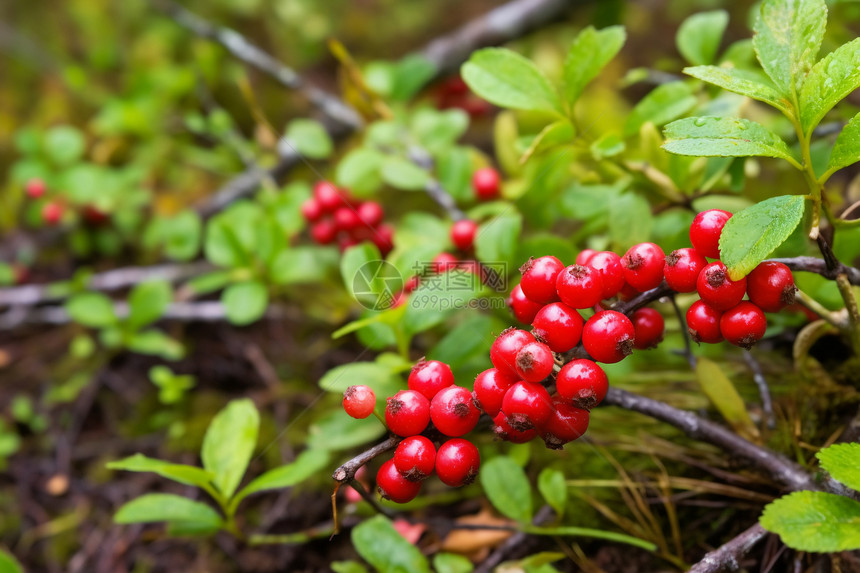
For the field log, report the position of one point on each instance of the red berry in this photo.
(682, 268)
(717, 289)
(643, 266)
(608, 336)
(703, 323)
(566, 424)
(392, 485)
(324, 232)
(485, 182)
(430, 376)
(579, 286)
(415, 458)
(383, 238)
(346, 241)
(370, 213)
(453, 411)
(359, 401)
(311, 210)
(93, 215)
(489, 390)
(583, 383)
(648, 325)
(463, 234)
(526, 405)
(608, 265)
(523, 308)
(328, 196)
(558, 325)
(35, 188)
(584, 256)
(504, 431)
(444, 262)
(503, 352)
(706, 229)
(627, 292)
(407, 413)
(770, 286)
(534, 362)
(743, 325)
(457, 462)
(539, 278)
(52, 213)
(346, 219)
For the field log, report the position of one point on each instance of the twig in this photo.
(643, 298)
(434, 188)
(763, 388)
(346, 472)
(727, 557)
(819, 266)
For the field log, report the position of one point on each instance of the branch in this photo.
(763, 388)
(346, 472)
(727, 557)
(434, 188)
(819, 266)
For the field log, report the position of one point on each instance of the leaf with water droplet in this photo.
(829, 82)
(723, 137)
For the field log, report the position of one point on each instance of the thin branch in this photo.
(346, 472)
(727, 557)
(819, 266)
(763, 388)
(434, 188)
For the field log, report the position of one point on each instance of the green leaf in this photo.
(387, 551)
(437, 130)
(723, 137)
(64, 145)
(663, 104)
(411, 73)
(245, 302)
(437, 297)
(593, 533)
(309, 138)
(557, 133)
(147, 301)
(307, 464)
(460, 343)
(814, 521)
(846, 150)
(699, 36)
(155, 343)
(401, 173)
(379, 377)
(91, 309)
(842, 462)
(303, 264)
(829, 82)
(337, 431)
(724, 396)
(454, 171)
(496, 240)
(168, 507)
(188, 475)
(751, 235)
(182, 235)
(8, 563)
(508, 488)
(359, 171)
(363, 272)
(630, 220)
(744, 82)
(451, 563)
(507, 79)
(221, 245)
(787, 39)
(229, 443)
(607, 145)
(589, 53)
(553, 488)
(348, 567)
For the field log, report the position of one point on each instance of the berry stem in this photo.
(810, 303)
(346, 472)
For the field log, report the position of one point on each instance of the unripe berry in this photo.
(457, 462)
(503, 352)
(359, 401)
(579, 286)
(608, 336)
(770, 286)
(429, 377)
(706, 229)
(648, 324)
(324, 231)
(328, 196)
(526, 405)
(717, 289)
(489, 390)
(52, 213)
(453, 411)
(463, 234)
(539, 278)
(407, 413)
(505, 431)
(35, 188)
(393, 486)
(608, 266)
(415, 458)
(743, 325)
(566, 424)
(523, 309)
(643, 266)
(485, 182)
(703, 323)
(559, 326)
(534, 362)
(583, 383)
(682, 268)
(370, 213)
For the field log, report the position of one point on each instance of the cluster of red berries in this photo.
(432, 398)
(54, 209)
(454, 93)
(336, 217)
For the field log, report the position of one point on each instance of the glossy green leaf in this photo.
(182, 234)
(506, 485)
(557, 133)
(154, 507)
(663, 104)
(229, 443)
(401, 173)
(787, 39)
(744, 82)
(507, 79)
(699, 36)
(189, 475)
(303, 264)
(592, 533)
(8, 563)
(147, 301)
(842, 462)
(91, 309)
(359, 171)
(221, 245)
(723, 137)
(751, 235)
(379, 377)
(496, 240)
(846, 150)
(553, 488)
(337, 431)
(309, 138)
(454, 171)
(451, 563)
(460, 343)
(348, 567)
(814, 521)
(411, 73)
(724, 396)
(306, 465)
(366, 275)
(829, 82)
(589, 53)
(385, 549)
(245, 302)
